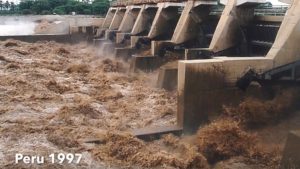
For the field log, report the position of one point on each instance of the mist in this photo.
(17, 28)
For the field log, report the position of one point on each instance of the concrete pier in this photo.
(189, 30)
(107, 22)
(140, 29)
(107, 33)
(204, 85)
(110, 33)
(189, 25)
(127, 23)
(162, 28)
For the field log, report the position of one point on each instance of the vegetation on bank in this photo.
(60, 7)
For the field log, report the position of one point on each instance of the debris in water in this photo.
(224, 139)
(11, 43)
(257, 112)
(57, 88)
(112, 66)
(57, 95)
(78, 68)
(128, 150)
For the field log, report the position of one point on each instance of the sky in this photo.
(15, 1)
(275, 2)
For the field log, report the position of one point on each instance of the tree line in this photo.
(60, 7)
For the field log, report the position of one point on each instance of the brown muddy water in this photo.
(56, 97)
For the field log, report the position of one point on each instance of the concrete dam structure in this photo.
(204, 46)
(213, 52)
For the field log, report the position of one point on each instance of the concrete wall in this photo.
(76, 20)
(35, 38)
(59, 24)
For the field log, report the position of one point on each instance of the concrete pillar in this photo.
(167, 78)
(144, 19)
(228, 32)
(143, 23)
(187, 28)
(194, 13)
(109, 17)
(134, 40)
(183, 31)
(105, 25)
(117, 19)
(127, 23)
(121, 37)
(129, 18)
(285, 48)
(162, 27)
(158, 46)
(124, 53)
(165, 20)
(110, 33)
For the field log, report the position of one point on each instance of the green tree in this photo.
(55, 3)
(100, 7)
(25, 7)
(60, 10)
(41, 5)
(56, 6)
(1, 5)
(7, 5)
(26, 12)
(12, 7)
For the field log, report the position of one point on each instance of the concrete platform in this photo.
(111, 35)
(107, 48)
(167, 78)
(35, 38)
(124, 53)
(291, 154)
(145, 63)
(122, 37)
(99, 41)
(154, 133)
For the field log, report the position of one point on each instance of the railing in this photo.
(260, 11)
(275, 10)
(139, 2)
(272, 11)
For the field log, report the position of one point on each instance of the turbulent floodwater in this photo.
(17, 28)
